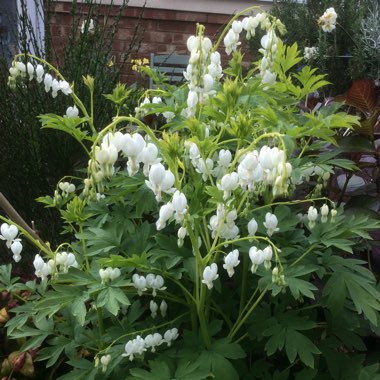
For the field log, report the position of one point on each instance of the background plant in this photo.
(36, 157)
(215, 231)
(342, 53)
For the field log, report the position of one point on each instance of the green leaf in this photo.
(187, 370)
(35, 342)
(112, 299)
(300, 287)
(5, 274)
(351, 280)
(221, 368)
(228, 349)
(159, 371)
(284, 332)
(309, 80)
(116, 261)
(78, 309)
(370, 372)
(299, 344)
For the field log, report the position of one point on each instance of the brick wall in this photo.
(161, 31)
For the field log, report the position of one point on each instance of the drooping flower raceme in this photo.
(328, 20)
(139, 345)
(251, 23)
(202, 72)
(257, 170)
(268, 50)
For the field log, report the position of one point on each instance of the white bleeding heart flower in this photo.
(210, 274)
(231, 261)
(271, 223)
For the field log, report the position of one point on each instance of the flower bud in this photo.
(163, 308)
(4, 316)
(324, 213)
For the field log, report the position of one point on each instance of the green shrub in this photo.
(208, 248)
(37, 159)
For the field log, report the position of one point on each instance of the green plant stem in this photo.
(185, 291)
(349, 36)
(218, 309)
(202, 318)
(238, 325)
(153, 328)
(77, 101)
(311, 248)
(230, 23)
(289, 203)
(241, 338)
(348, 177)
(36, 242)
(99, 314)
(306, 145)
(84, 248)
(200, 294)
(244, 283)
(207, 237)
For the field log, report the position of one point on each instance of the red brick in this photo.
(133, 12)
(218, 19)
(176, 26)
(154, 37)
(118, 45)
(191, 16)
(180, 38)
(160, 14)
(124, 34)
(129, 22)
